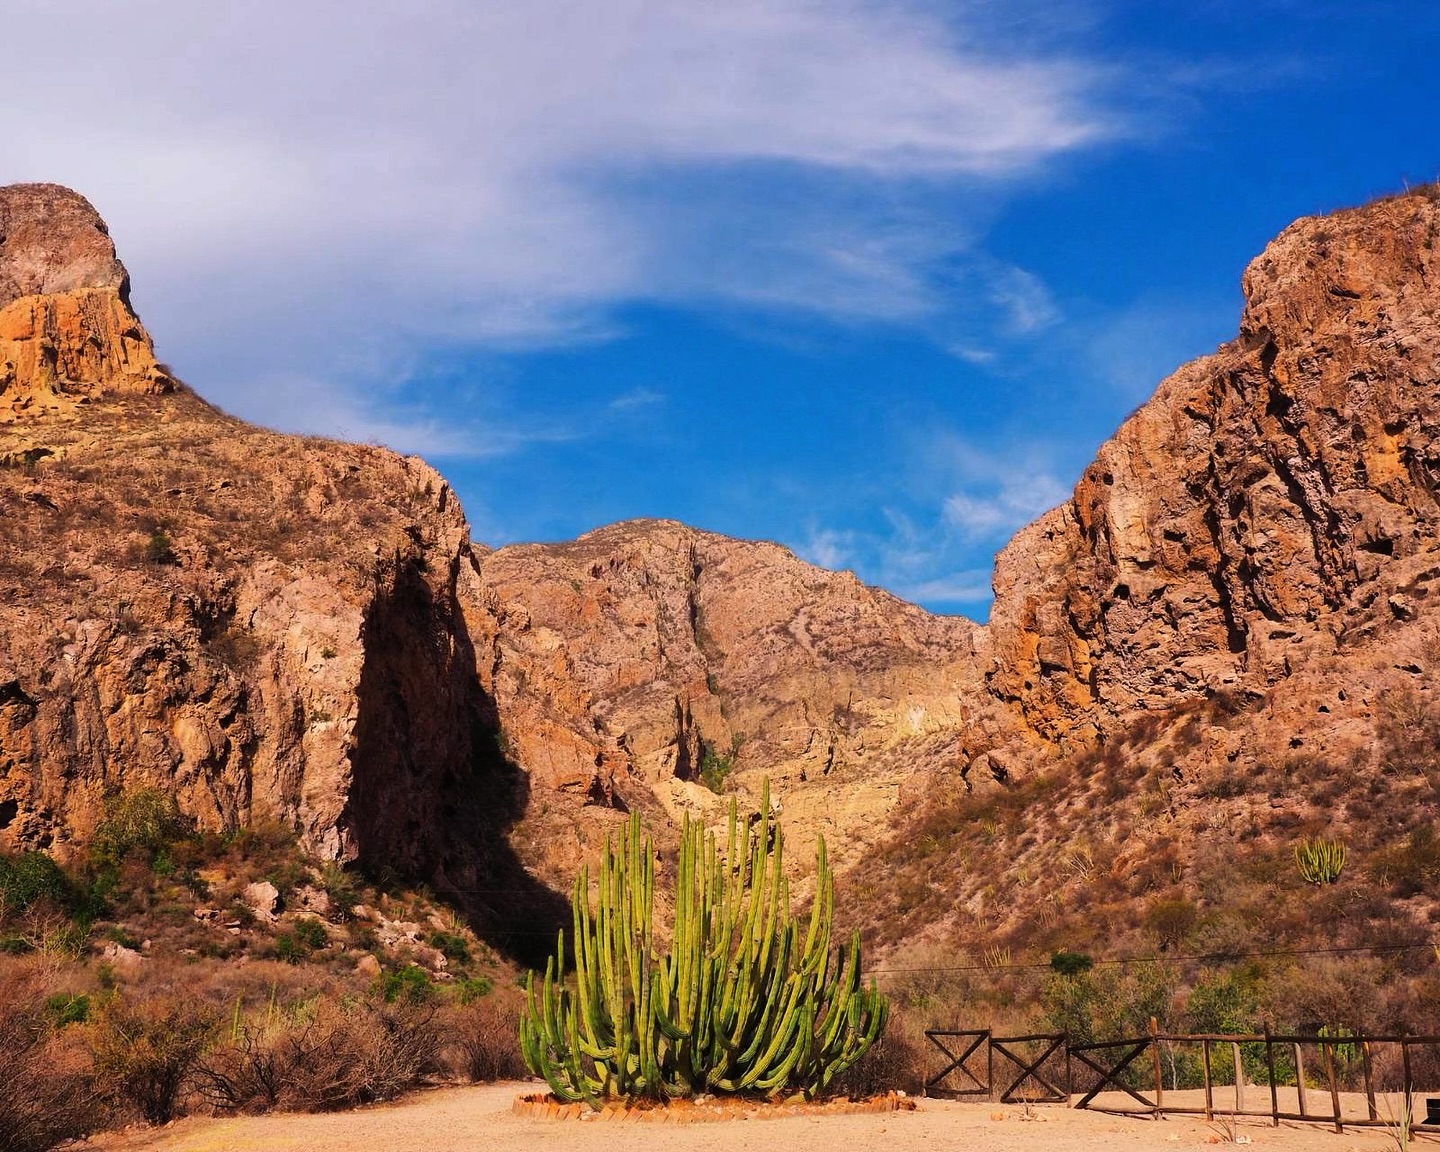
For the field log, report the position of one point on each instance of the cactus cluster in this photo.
(1320, 861)
(742, 1001)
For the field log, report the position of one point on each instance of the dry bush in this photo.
(484, 1042)
(895, 1062)
(145, 1053)
(321, 1056)
(48, 1096)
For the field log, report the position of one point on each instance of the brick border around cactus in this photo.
(714, 1111)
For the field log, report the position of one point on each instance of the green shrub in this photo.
(29, 879)
(145, 821)
(1070, 963)
(473, 989)
(67, 1008)
(408, 985)
(289, 950)
(340, 886)
(714, 768)
(451, 945)
(311, 933)
(159, 548)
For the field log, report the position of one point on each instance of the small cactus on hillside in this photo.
(1320, 861)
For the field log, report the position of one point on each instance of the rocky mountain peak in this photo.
(52, 240)
(67, 331)
(1240, 525)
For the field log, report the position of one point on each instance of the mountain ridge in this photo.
(175, 579)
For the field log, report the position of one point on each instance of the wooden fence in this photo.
(1312, 1079)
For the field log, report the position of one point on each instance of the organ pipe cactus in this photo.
(1320, 861)
(743, 1000)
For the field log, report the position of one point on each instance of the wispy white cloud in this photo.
(828, 547)
(965, 500)
(970, 586)
(636, 398)
(341, 186)
(1025, 300)
(1000, 503)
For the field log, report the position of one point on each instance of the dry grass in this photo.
(48, 1096)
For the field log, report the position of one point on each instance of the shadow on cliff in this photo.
(433, 797)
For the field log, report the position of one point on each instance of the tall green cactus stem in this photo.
(1320, 861)
(740, 1002)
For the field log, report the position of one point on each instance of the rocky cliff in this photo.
(1241, 526)
(299, 629)
(67, 332)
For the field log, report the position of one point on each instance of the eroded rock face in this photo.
(627, 658)
(66, 328)
(1237, 527)
(642, 647)
(291, 628)
(192, 603)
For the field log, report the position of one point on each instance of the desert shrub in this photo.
(64, 1008)
(895, 1062)
(483, 1042)
(451, 945)
(145, 1052)
(1171, 920)
(145, 821)
(340, 886)
(474, 988)
(311, 933)
(1333, 991)
(1070, 963)
(715, 767)
(1108, 1003)
(48, 1096)
(288, 949)
(408, 985)
(30, 878)
(298, 944)
(1412, 866)
(321, 1056)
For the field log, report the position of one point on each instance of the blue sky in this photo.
(869, 279)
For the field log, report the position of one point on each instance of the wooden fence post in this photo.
(1209, 1095)
(1409, 1084)
(1369, 1080)
(1159, 1071)
(1239, 1078)
(1300, 1080)
(1274, 1092)
(1327, 1050)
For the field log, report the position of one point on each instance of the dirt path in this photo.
(452, 1119)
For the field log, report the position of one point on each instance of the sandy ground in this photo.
(451, 1119)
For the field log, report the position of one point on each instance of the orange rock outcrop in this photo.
(280, 627)
(67, 332)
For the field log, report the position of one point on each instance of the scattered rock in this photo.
(263, 899)
(122, 958)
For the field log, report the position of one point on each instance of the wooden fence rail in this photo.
(1048, 1068)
